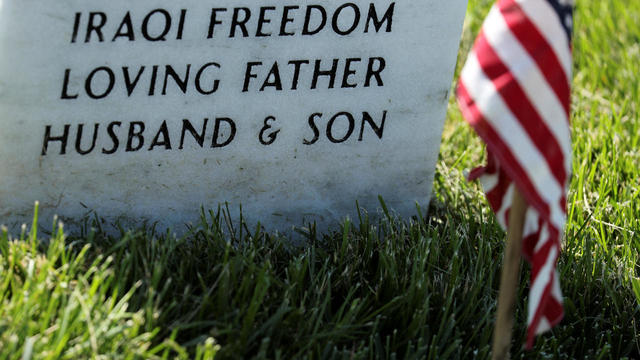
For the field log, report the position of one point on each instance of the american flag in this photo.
(514, 91)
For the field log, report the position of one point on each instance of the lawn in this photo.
(419, 288)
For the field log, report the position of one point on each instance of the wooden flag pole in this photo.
(509, 279)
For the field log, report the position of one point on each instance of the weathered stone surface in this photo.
(103, 106)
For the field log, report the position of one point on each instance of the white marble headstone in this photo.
(148, 110)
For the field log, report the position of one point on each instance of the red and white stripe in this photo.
(515, 92)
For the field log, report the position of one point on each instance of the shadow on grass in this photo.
(389, 288)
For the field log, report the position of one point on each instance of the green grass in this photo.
(424, 288)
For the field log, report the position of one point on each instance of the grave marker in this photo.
(150, 110)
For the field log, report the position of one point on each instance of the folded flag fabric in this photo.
(515, 92)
